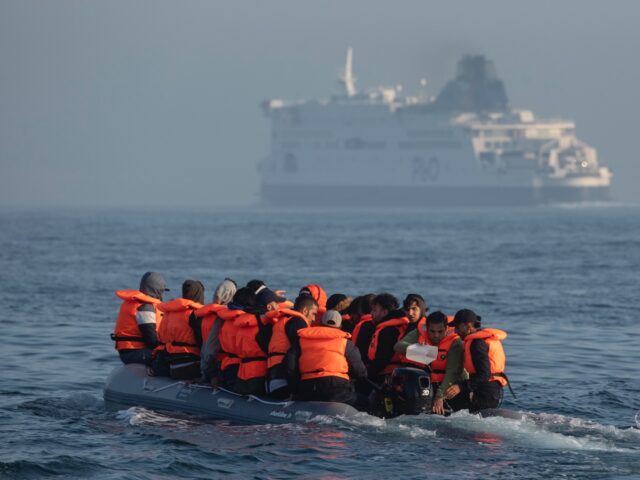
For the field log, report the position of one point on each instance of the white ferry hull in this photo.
(433, 196)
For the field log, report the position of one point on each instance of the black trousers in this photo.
(141, 355)
(486, 395)
(327, 389)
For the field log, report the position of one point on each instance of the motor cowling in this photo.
(413, 392)
(406, 392)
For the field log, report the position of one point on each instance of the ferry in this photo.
(464, 147)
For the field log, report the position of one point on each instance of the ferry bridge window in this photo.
(290, 164)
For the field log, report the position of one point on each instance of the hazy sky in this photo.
(156, 103)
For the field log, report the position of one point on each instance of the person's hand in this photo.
(452, 391)
(438, 406)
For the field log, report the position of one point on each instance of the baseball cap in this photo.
(265, 296)
(332, 318)
(465, 316)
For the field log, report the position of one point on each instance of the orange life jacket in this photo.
(253, 360)
(397, 360)
(356, 330)
(208, 313)
(126, 333)
(176, 333)
(439, 365)
(279, 344)
(322, 353)
(228, 337)
(497, 360)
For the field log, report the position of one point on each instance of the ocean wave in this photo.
(63, 465)
(72, 406)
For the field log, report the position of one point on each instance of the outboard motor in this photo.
(407, 392)
(414, 394)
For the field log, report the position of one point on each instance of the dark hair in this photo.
(418, 300)
(304, 301)
(361, 305)
(255, 285)
(437, 318)
(245, 297)
(386, 301)
(334, 300)
(193, 290)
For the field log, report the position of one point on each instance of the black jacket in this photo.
(387, 338)
(479, 351)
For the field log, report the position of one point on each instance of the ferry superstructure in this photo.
(465, 146)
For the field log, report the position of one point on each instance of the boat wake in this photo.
(540, 431)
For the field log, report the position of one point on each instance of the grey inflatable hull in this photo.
(130, 386)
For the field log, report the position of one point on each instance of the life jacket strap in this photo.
(183, 344)
(118, 338)
(275, 354)
(504, 375)
(253, 359)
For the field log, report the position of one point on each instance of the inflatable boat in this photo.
(130, 386)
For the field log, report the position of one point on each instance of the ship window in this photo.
(290, 164)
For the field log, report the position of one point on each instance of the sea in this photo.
(562, 281)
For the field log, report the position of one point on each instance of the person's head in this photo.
(225, 291)
(256, 285)
(193, 290)
(317, 292)
(466, 322)
(381, 305)
(436, 326)
(244, 297)
(307, 306)
(268, 299)
(153, 284)
(415, 307)
(332, 318)
(339, 302)
(360, 306)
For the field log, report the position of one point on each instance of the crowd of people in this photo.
(252, 340)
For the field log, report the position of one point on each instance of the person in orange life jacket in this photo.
(360, 312)
(135, 330)
(415, 307)
(390, 326)
(319, 295)
(340, 303)
(285, 333)
(212, 323)
(224, 353)
(177, 334)
(447, 369)
(252, 340)
(322, 362)
(483, 359)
